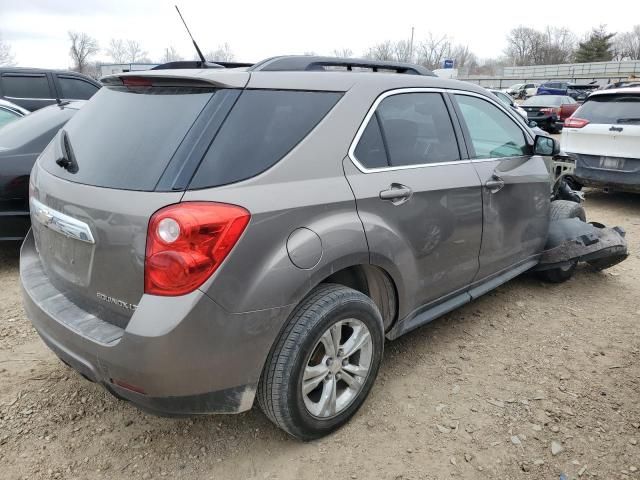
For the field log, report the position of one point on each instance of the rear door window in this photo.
(76, 88)
(493, 133)
(611, 109)
(25, 86)
(415, 129)
(261, 129)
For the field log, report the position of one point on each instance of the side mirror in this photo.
(545, 146)
(533, 124)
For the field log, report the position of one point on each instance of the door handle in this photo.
(495, 184)
(396, 194)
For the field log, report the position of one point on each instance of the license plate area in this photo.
(612, 163)
(64, 257)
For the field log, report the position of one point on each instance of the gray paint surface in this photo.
(314, 213)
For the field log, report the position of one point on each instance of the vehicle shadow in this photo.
(613, 199)
(9, 256)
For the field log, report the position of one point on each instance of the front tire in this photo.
(324, 364)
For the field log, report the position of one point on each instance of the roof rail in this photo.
(312, 63)
(182, 64)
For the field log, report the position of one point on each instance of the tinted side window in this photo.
(417, 129)
(26, 86)
(370, 151)
(493, 133)
(76, 89)
(262, 127)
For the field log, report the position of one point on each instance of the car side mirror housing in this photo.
(545, 146)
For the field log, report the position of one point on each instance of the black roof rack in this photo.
(181, 64)
(312, 63)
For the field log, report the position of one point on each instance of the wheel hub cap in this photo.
(337, 368)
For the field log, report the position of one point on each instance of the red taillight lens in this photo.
(187, 242)
(575, 122)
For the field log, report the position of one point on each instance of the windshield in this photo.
(544, 101)
(612, 109)
(516, 86)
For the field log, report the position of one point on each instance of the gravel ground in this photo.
(531, 381)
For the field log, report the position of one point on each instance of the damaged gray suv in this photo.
(205, 238)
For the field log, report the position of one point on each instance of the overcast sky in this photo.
(37, 29)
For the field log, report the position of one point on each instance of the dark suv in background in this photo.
(33, 88)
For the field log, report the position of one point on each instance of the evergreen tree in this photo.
(597, 47)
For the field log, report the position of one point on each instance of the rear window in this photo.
(611, 109)
(262, 127)
(125, 138)
(25, 86)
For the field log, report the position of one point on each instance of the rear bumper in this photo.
(587, 173)
(184, 355)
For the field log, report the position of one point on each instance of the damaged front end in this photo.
(571, 240)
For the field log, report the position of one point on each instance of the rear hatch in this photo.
(604, 133)
(120, 159)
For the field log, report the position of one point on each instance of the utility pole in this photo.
(411, 46)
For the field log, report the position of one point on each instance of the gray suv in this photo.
(205, 238)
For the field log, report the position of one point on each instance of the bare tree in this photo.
(525, 46)
(171, 55)
(343, 52)
(83, 47)
(402, 51)
(627, 45)
(222, 54)
(433, 51)
(6, 57)
(117, 50)
(135, 53)
(559, 45)
(381, 51)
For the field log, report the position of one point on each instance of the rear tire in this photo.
(310, 388)
(562, 209)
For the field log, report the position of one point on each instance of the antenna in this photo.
(194, 42)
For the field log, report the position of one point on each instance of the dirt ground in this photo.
(531, 381)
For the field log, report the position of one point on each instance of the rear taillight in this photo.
(187, 242)
(575, 122)
(550, 110)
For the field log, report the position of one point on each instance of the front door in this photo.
(515, 191)
(418, 198)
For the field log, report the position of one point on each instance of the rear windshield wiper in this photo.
(628, 120)
(67, 160)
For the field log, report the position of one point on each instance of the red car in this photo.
(550, 111)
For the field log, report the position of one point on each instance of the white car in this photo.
(603, 138)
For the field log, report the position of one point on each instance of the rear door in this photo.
(30, 90)
(417, 195)
(515, 185)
